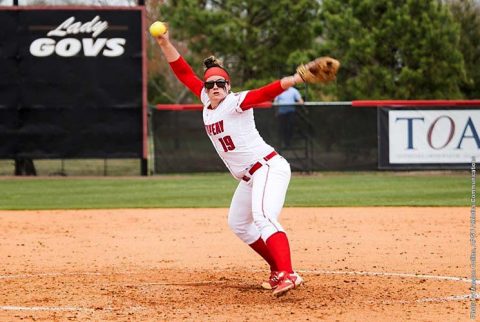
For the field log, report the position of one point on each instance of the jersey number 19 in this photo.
(227, 143)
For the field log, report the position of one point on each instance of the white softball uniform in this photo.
(264, 175)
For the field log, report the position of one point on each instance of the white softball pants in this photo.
(256, 204)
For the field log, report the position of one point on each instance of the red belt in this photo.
(258, 165)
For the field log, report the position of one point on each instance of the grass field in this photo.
(216, 190)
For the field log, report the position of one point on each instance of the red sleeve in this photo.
(262, 94)
(185, 74)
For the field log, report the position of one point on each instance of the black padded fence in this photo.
(72, 83)
(325, 137)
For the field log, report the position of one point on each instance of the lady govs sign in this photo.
(446, 136)
(73, 82)
(60, 41)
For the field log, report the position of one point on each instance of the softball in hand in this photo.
(158, 28)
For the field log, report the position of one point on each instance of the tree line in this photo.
(389, 49)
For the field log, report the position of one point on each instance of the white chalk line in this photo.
(19, 276)
(47, 275)
(66, 308)
(462, 297)
(44, 308)
(455, 298)
(387, 274)
(176, 284)
(326, 272)
(451, 298)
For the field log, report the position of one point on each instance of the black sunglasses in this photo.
(220, 84)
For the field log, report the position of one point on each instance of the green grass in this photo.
(216, 190)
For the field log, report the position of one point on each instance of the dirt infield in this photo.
(359, 264)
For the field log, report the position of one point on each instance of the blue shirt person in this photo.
(286, 102)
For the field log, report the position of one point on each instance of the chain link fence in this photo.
(323, 137)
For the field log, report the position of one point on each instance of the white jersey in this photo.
(233, 133)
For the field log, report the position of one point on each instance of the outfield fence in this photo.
(325, 136)
(333, 136)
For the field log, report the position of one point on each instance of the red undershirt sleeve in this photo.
(185, 74)
(262, 94)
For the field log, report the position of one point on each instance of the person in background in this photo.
(286, 113)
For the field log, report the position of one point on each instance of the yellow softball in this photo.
(157, 28)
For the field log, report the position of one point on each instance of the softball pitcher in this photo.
(262, 173)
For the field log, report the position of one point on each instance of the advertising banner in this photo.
(419, 137)
(72, 83)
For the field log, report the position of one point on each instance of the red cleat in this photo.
(272, 282)
(286, 282)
